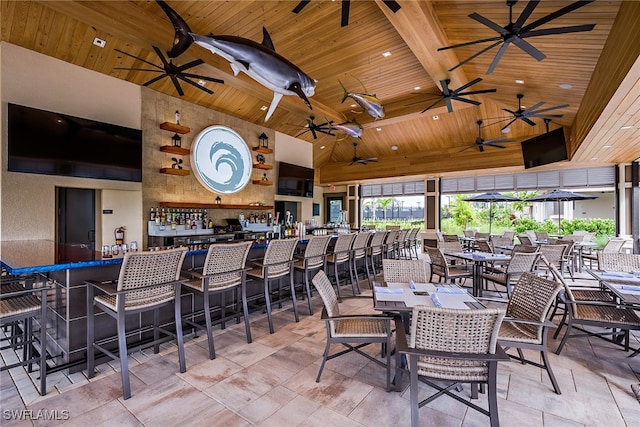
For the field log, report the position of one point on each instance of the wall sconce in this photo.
(177, 140)
(264, 140)
(218, 200)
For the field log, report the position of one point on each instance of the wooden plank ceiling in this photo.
(604, 96)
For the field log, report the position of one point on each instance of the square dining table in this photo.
(479, 260)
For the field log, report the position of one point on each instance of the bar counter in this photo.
(66, 268)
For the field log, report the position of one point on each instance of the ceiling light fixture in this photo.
(386, 54)
(566, 86)
(606, 146)
(417, 88)
(322, 147)
(436, 117)
(99, 42)
(626, 127)
(594, 158)
(263, 108)
(201, 82)
(520, 82)
(379, 129)
(394, 147)
(506, 130)
(353, 105)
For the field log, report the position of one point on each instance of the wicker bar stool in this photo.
(376, 250)
(390, 244)
(147, 281)
(223, 272)
(313, 259)
(276, 264)
(341, 256)
(359, 254)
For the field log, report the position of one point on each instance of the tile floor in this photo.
(271, 382)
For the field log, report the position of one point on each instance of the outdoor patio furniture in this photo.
(613, 245)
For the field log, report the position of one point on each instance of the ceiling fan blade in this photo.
(393, 5)
(176, 83)
(558, 30)
(558, 13)
(529, 48)
(466, 148)
(468, 101)
(475, 55)
(532, 109)
(449, 105)
(445, 87)
(192, 83)
(494, 145)
(480, 148)
(371, 159)
(500, 139)
(155, 79)
(546, 116)
(488, 23)
(508, 111)
(508, 124)
(344, 20)
(525, 14)
(313, 132)
(209, 79)
(474, 92)
(160, 55)
(544, 110)
(469, 84)
(498, 56)
(190, 64)
(139, 59)
(490, 39)
(300, 6)
(528, 121)
(432, 105)
(137, 69)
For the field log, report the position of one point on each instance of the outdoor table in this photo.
(626, 286)
(577, 254)
(479, 260)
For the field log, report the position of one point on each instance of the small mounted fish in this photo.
(350, 128)
(369, 103)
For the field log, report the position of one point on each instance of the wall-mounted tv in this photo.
(543, 149)
(45, 142)
(294, 180)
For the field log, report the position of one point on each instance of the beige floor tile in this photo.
(292, 414)
(110, 414)
(205, 374)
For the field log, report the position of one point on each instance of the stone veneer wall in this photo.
(158, 108)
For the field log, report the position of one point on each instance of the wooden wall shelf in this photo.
(262, 182)
(262, 166)
(173, 127)
(175, 150)
(174, 171)
(263, 150)
(212, 206)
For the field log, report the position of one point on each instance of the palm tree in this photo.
(384, 203)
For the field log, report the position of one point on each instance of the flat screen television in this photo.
(294, 180)
(543, 149)
(49, 143)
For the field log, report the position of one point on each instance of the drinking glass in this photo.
(133, 246)
(115, 250)
(106, 251)
(124, 247)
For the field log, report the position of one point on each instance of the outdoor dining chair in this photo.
(613, 246)
(404, 270)
(520, 262)
(445, 271)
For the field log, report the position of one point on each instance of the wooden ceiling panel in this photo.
(314, 40)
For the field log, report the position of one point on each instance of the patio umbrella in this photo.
(560, 196)
(491, 197)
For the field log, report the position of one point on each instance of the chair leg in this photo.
(492, 395)
(567, 332)
(306, 282)
(156, 331)
(43, 344)
(547, 367)
(91, 351)
(292, 285)
(324, 359)
(179, 338)
(413, 392)
(267, 298)
(207, 319)
(124, 361)
(245, 309)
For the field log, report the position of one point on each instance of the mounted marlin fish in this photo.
(258, 60)
(369, 103)
(350, 127)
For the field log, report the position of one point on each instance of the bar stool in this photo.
(341, 256)
(375, 250)
(147, 281)
(314, 259)
(277, 263)
(223, 272)
(359, 253)
(18, 304)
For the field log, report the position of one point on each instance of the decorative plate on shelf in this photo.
(221, 160)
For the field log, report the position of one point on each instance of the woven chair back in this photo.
(438, 261)
(569, 299)
(553, 253)
(501, 241)
(588, 236)
(483, 246)
(342, 247)
(522, 262)
(315, 250)
(451, 237)
(454, 331)
(391, 239)
(377, 242)
(413, 234)
(508, 234)
(569, 246)
(531, 299)
(328, 295)
(140, 270)
(541, 235)
(404, 270)
(613, 246)
(525, 248)
(359, 245)
(525, 240)
(469, 233)
(618, 262)
(278, 256)
(224, 263)
(450, 246)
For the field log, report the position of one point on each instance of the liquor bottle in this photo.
(204, 219)
(163, 217)
(157, 216)
(152, 215)
(183, 219)
(210, 224)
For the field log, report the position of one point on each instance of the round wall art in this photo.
(221, 160)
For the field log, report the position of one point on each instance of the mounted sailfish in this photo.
(258, 60)
(369, 103)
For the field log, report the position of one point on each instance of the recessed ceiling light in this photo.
(202, 82)
(566, 86)
(353, 105)
(263, 108)
(436, 117)
(594, 158)
(520, 82)
(322, 147)
(394, 147)
(99, 42)
(506, 130)
(606, 146)
(386, 54)
(417, 88)
(378, 129)
(626, 127)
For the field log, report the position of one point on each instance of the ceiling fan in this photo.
(529, 113)
(449, 94)
(481, 143)
(516, 32)
(361, 160)
(313, 128)
(346, 5)
(175, 72)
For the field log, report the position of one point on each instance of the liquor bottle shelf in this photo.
(212, 206)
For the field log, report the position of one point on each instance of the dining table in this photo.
(624, 285)
(479, 261)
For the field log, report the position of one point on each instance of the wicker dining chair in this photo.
(541, 235)
(276, 265)
(567, 262)
(525, 240)
(313, 259)
(445, 271)
(520, 262)
(618, 262)
(553, 254)
(404, 270)
(223, 273)
(352, 331)
(525, 324)
(483, 246)
(613, 246)
(454, 346)
(340, 256)
(147, 281)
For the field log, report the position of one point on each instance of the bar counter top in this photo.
(41, 256)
